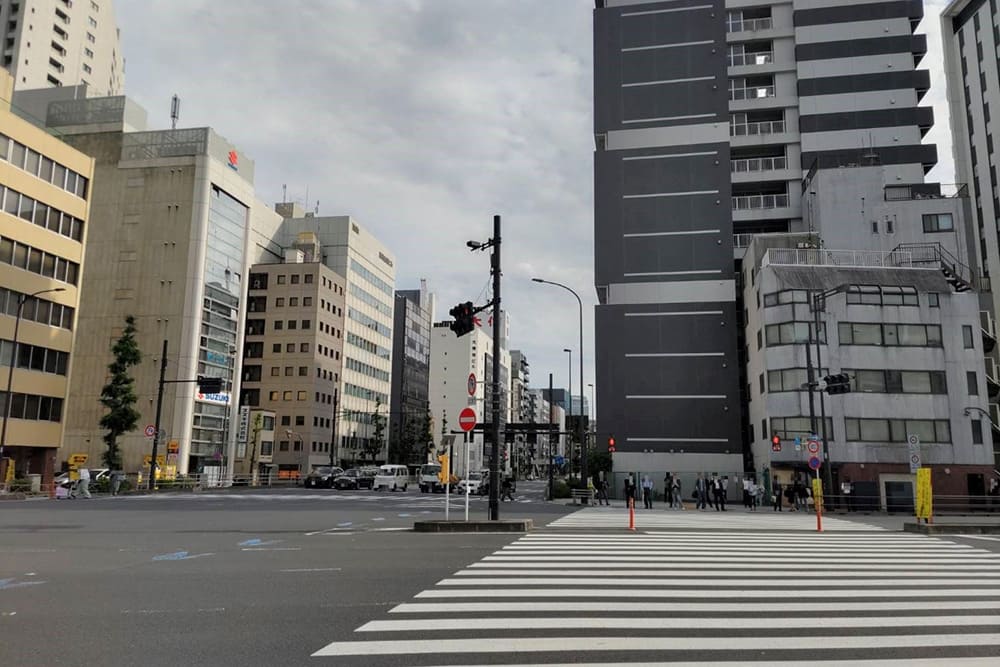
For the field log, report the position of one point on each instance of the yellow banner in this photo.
(77, 459)
(817, 493)
(924, 494)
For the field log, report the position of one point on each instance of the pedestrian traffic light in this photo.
(775, 443)
(209, 385)
(464, 314)
(445, 472)
(611, 444)
(838, 383)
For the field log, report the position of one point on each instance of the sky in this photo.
(421, 119)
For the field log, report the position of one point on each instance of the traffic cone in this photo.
(631, 514)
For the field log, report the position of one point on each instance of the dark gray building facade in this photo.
(411, 350)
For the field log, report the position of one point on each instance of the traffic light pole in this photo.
(827, 468)
(159, 411)
(495, 462)
(551, 445)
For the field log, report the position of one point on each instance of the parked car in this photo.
(473, 484)
(322, 477)
(393, 477)
(428, 479)
(355, 478)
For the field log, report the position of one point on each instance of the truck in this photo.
(428, 479)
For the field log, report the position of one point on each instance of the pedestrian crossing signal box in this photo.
(444, 474)
(611, 444)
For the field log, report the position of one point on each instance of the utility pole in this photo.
(495, 462)
(159, 410)
(333, 430)
(827, 468)
(551, 445)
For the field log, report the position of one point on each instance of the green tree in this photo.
(374, 444)
(598, 461)
(119, 396)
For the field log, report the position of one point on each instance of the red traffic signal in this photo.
(611, 443)
(775, 443)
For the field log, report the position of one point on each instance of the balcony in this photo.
(992, 377)
(754, 93)
(913, 191)
(995, 418)
(879, 259)
(751, 58)
(989, 330)
(749, 202)
(742, 240)
(749, 25)
(757, 164)
(753, 129)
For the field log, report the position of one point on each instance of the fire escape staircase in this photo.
(958, 275)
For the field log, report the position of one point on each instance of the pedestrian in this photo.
(846, 488)
(750, 496)
(668, 490)
(647, 492)
(701, 492)
(802, 495)
(116, 482)
(676, 495)
(507, 490)
(82, 484)
(629, 491)
(602, 492)
(790, 496)
(716, 489)
(776, 495)
(724, 491)
(746, 492)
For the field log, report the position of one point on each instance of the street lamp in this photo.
(289, 433)
(13, 359)
(583, 440)
(569, 406)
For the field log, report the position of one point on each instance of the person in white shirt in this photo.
(647, 492)
(82, 484)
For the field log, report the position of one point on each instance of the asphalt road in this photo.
(245, 577)
(337, 578)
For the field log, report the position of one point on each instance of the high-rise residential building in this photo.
(45, 195)
(177, 229)
(55, 43)
(520, 371)
(969, 34)
(293, 357)
(409, 416)
(708, 115)
(369, 270)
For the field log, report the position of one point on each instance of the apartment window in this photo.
(789, 333)
(300, 420)
(293, 324)
(301, 396)
(286, 420)
(279, 302)
(303, 347)
(760, 339)
(282, 445)
(87, 52)
(289, 347)
(295, 279)
(303, 371)
(307, 324)
(977, 432)
(760, 380)
(308, 279)
(92, 21)
(279, 325)
(276, 348)
(275, 371)
(972, 381)
(791, 379)
(281, 280)
(293, 301)
(884, 295)
(785, 297)
(938, 222)
(933, 300)
(286, 396)
(898, 382)
(896, 430)
(273, 396)
(91, 38)
(307, 301)
(903, 335)
(87, 68)
(789, 428)
(967, 340)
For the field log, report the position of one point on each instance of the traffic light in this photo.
(838, 383)
(445, 473)
(464, 314)
(209, 385)
(775, 443)
(611, 444)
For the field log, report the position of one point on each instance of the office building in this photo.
(369, 271)
(177, 228)
(707, 118)
(293, 356)
(520, 372)
(55, 43)
(410, 418)
(46, 192)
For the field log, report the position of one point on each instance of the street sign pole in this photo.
(467, 469)
(159, 409)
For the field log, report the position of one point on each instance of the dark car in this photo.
(322, 477)
(355, 478)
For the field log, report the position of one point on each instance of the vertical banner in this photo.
(924, 494)
(817, 488)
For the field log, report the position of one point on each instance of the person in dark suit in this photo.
(776, 490)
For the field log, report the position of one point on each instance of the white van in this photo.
(393, 477)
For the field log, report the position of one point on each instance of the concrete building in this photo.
(369, 270)
(520, 379)
(544, 412)
(45, 187)
(911, 342)
(409, 420)
(54, 43)
(705, 128)
(178, 227)
(293, 355)
(453, 360)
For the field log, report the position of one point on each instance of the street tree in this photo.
(373, 445)
(119, 396)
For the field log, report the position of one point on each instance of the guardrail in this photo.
(756, 127)
(751, 58)
(751, 93)
(750, 202)
(739, 166)
(822, 257)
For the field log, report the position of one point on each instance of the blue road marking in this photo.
(346, 523)
(250, 543)
(177, 555)
(10, 583)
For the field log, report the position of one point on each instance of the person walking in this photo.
(776, 491)
(846, 488)
(629, 490)
(647, 492)
(116, 482)
(668, 490)
(801, 496)
(750, 494)
(82, 484)
(676, 494)
(746, 492)
(507, 490)
(602, 492)
(714, 486)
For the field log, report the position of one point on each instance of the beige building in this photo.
(177, 229)
(293, 356)
(44, 222)
(368, 267)
(54, 43)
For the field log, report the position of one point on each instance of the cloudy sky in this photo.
(421, 119)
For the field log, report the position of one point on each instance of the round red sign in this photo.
(472, 384)
(467, 419)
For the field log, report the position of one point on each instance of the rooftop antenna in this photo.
(316, 210)
(175, 111)
(284, 193)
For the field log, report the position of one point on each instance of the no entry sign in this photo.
(467, 419)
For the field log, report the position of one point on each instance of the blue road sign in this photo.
(814, 462)
(560, 460)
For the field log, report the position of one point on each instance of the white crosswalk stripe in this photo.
(735, 519)
(700, 598)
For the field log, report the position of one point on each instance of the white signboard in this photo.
(244, 427)
(913, 452)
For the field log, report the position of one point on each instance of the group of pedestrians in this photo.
(796, 494)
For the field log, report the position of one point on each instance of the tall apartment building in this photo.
(520, 372)
(369, 270)
(969, 34)
(707, 117)
(54, 43)
(45, 194)
(409, 417)
(293, 356)
(177, 228)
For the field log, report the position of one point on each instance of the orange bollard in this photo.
(631, 514)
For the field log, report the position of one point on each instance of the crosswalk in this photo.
(617, 517)
(329, 496)
(707, 598)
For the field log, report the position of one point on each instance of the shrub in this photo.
(560, 489)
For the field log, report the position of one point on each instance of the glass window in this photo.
(938, 222)
(916, 382)
(58, 175)
(933, 300)
(977, 432)
(275, 371)
(17, 152)
(308, 279)
(922, 428)
(31, 162)
(972, 380)
(967, 340)
(874, 430)
(281, 280)
(286, 396)
(293, 301)
(295, 279)
(307, 301)
(871, 381)
(301, 396)
(276, 348)
(273, 396)
(279, 302)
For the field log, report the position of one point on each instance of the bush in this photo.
(19, 485)
(560, 489)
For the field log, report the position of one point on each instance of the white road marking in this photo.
(271, 549)
(312, 569)
(612, 605)
(508, 644)
(717, 575)
(741, 594)
(713, 582)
